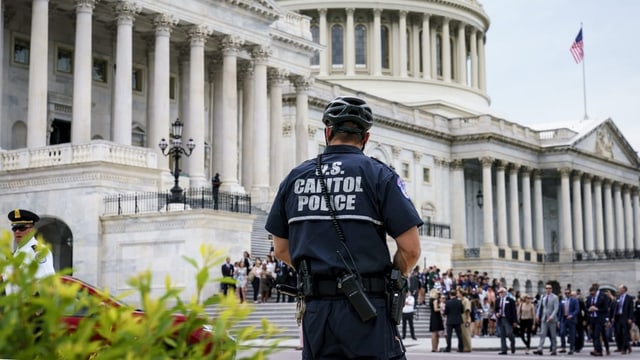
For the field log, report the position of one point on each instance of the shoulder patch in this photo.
(402, 187)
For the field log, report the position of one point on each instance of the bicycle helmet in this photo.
(348, 108)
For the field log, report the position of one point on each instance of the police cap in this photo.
(20, 216)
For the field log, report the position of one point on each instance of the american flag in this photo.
(576, 48)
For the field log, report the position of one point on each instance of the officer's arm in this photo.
(408, 252)
(281, 249)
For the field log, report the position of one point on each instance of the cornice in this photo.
(260, 7)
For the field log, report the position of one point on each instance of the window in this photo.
(137, 136)
(315, 36)
(64, 60)
(99, 72)
(384, 46)
(21, 51)
(172, 87)
(439, 55)
(426, 175)
(420, 49)
(337, 46)
(404, 171)
(137, 79)
(361, 46)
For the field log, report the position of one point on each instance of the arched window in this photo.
(361, 46)
(420, 50)
(337, 46)
(384, 46)
(315, 36)
(137, 135)
(19, 135)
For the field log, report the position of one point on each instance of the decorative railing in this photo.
(150, 202)
(435, 230)
(63, 154)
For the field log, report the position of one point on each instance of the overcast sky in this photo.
(532, 77)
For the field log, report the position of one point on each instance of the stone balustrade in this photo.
(64, 154)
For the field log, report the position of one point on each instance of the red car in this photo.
(75, 317)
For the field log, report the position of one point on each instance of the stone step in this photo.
(282, 315)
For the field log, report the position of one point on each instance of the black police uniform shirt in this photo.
(369, 199)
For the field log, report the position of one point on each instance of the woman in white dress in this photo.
(240, 275)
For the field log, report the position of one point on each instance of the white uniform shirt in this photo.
(34, 252)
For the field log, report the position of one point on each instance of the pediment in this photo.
(607, 142)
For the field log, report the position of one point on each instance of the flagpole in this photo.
(584, 79)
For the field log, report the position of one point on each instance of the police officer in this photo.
(23, 227)
(370, 201)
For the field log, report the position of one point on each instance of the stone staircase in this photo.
(282, 315)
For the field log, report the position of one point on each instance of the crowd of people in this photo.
(261, 274)
(472, 304)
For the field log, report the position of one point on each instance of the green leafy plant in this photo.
(34, 318)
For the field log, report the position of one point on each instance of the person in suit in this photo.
(582, 323)
(507, 320)
(227, 276)
(598, 309)
(453, 311)
(547, 318)
(622, 320)
(569, 310)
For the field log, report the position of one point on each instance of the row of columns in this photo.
(596, 215)
(262, 161)
(469, 41)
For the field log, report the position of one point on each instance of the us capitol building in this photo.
(90, 88)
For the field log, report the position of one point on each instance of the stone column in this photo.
(276, 150)
(501, 202)
(377, 43)
(302, 85)
(350, 44)
(37, 133)
(122, 116)
(588, 212)
(462, 55)
(619, 219)
(446, 50)
(514, 208)
(610, 235)
(260, 186)
(566, 249)
(402, 34)
(194, 126)
(628, 221)
(538, 217)
(246, 78)
(324, 54)
(160, 126)
(578, 239)
(217, 118)
(473, 41)
(482, 79)
(426, 47)
(459, 226)
(599, 216)
(82, 67)
(636, 220)
(487, 208)
(526, 209)
(230, 46)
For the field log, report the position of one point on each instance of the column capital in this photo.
(245, 69)
(261, 54)
(501, 164)
(350, 11)
(85, 5)
(395, 151)
(526, 170)
(537, 174)
(626, 188)
(607, 182)
(486, 161)
(564, 172)
(587, 177)
(577, 174)
(617, 185)
(457, 164)
(377, 12)
(126, 11)
(403, 13)
(514, 168)
(231, 44)
(164, 23)
(426, 16)
(277, 76)
(417, 156)
(302, 83)
(322, 11)
(597, 179)
(198, 34)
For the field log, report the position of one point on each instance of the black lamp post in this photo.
(176, 151)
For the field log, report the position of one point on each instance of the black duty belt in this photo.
(330, 287)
